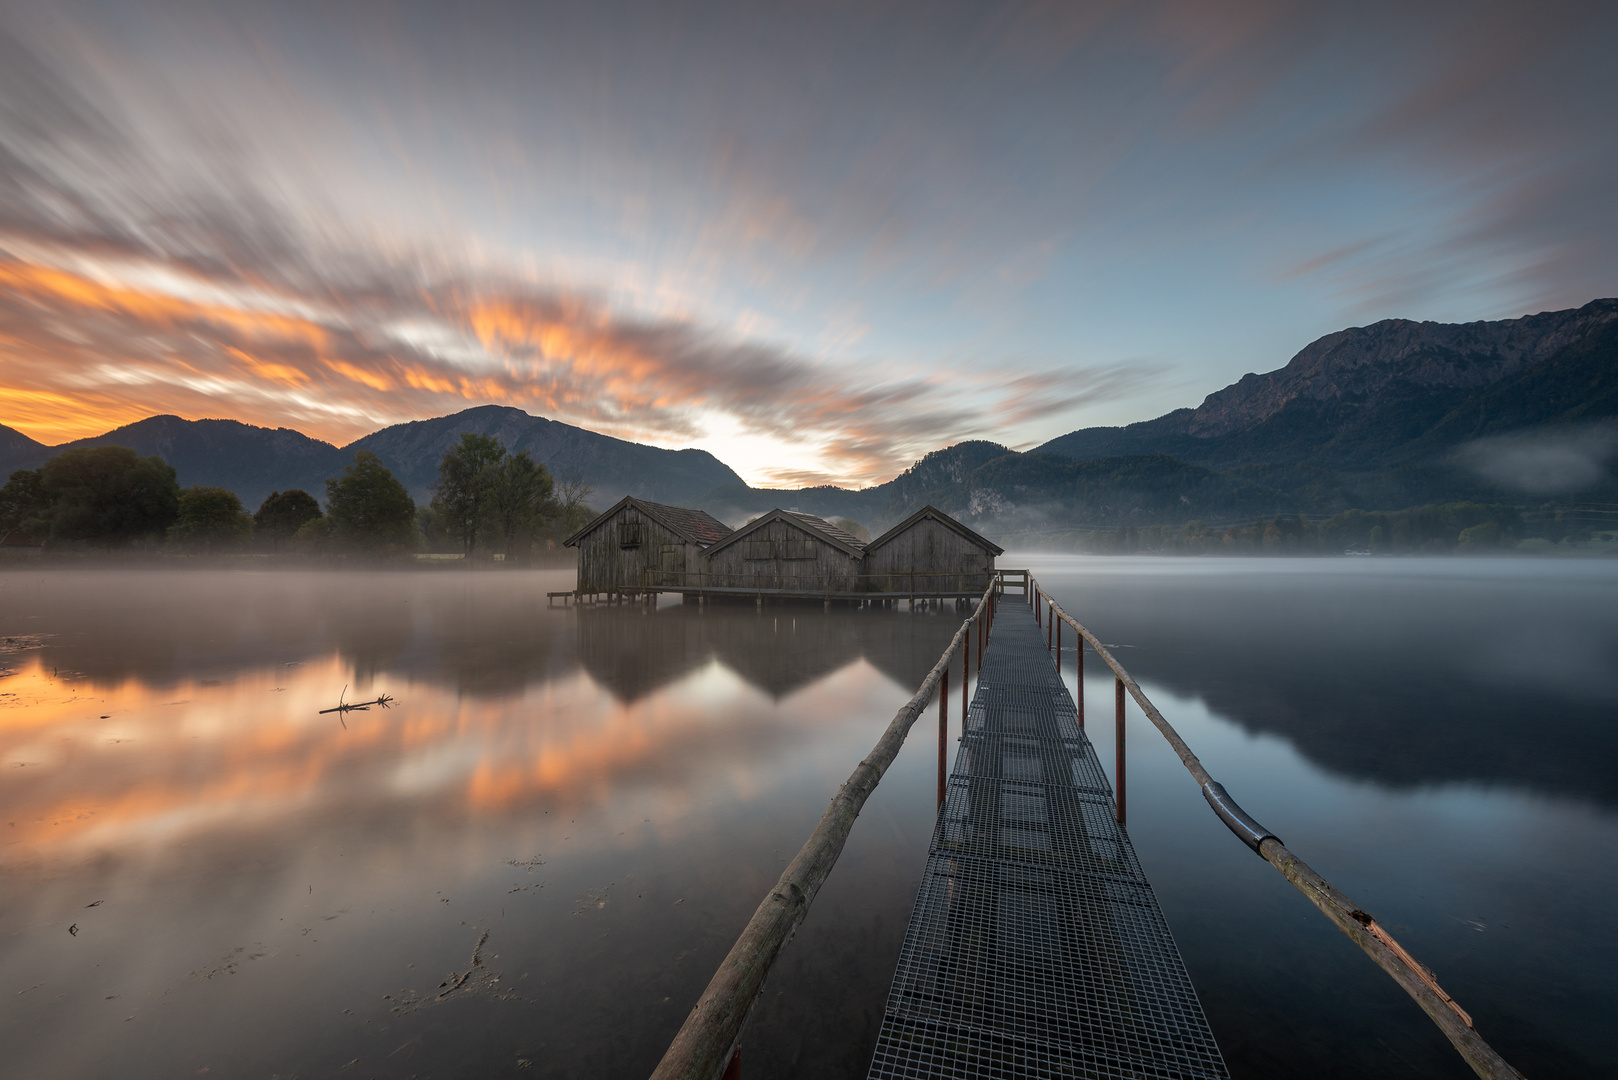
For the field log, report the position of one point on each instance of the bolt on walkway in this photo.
(1036, 947)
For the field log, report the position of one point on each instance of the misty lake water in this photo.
(532, 863)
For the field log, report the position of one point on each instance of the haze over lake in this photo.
(532, 863)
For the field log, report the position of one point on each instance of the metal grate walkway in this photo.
(1036, 947)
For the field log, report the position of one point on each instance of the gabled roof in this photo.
(817, 527)
(943, 519)
(692, 526)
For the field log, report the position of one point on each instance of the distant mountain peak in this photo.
(253, 461)
(1359, 362)
(1390, 394)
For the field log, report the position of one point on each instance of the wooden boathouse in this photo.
(786, 552)
(640, 549)
(932, 551)
(638, 541)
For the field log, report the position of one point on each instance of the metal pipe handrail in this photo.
(1355, 923)
(710, 1035)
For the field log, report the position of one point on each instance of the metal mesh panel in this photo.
(1036, 947)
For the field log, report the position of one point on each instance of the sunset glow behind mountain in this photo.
(816, 241)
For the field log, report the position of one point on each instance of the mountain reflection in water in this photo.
(533, 862)
(607, 792)
(1405, 672)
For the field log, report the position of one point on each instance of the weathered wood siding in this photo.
(619, 553)
(929, 547)
(780, 555)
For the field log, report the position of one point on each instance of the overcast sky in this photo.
(819, 241)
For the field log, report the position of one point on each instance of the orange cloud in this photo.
(284, 374)
(87, 351)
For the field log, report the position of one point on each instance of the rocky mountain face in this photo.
(1360, 363)
(1396, 393)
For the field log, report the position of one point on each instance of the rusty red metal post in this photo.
(1078, 689)
(943, 731)
(966, 675)
(1058, 649)
(1118, 739)
(1050, 622)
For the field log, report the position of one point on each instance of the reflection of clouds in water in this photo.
(254, 754)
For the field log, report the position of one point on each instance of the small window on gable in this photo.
(758, 549)
(629, 534)
(799, 549)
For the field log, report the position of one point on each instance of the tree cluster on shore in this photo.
(487, 503)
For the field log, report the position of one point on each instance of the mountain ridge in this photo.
(252, 461)
(1392, 415)
(1389, 394)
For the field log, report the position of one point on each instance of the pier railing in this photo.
(1347, 916)
(706, 1045)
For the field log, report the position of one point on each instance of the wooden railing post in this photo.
(1118, 741)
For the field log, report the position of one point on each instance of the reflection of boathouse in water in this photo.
(634, 653)
(639, 548)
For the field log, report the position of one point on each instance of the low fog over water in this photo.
(531, 864)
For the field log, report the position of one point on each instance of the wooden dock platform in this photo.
(1036, 947)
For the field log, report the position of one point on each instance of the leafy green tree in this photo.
(108, 495)
(24, 504)
(368, 507)
(460, 499)
(486, 497)
(281, 515)
(313, 535)
(211, 518)
(517, 501)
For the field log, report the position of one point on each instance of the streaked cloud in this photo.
(829, 240)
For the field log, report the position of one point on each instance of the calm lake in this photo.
(531, 864)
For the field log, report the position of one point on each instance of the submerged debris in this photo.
(356, 706)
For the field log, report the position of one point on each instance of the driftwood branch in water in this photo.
(361, 706)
